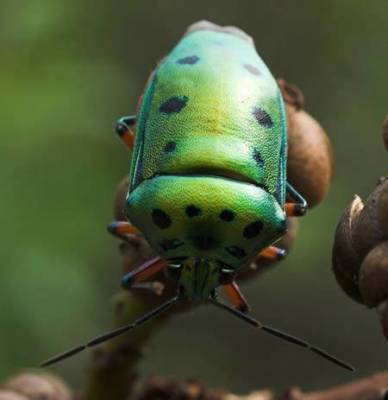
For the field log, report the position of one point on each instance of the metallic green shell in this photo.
(211, 137)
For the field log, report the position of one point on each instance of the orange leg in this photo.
(145, 271)
(298, 206)
(295, 210)
(234, 295)
(124, 128)
(273, 253)
(121, 228)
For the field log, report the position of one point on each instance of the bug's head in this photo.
(197, 278)
(205, 217)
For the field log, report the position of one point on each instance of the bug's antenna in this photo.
(282, 335)
(109, 335)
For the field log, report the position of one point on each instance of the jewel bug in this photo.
(208, 187)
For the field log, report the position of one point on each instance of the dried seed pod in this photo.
(38, 386)
(346, 262)
(382, 312)
(310, 158)
(367, 230)
(170, 388)
(292, 95)
(385, 132)
(373, 278)
(9, 395)
(382, 209)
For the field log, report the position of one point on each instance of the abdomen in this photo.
(214, 106)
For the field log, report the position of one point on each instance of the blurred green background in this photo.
(68, 70)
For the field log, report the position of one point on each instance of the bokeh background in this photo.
(68, 70)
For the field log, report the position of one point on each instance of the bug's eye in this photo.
(226, 276)
(174, 271)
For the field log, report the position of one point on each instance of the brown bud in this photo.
(382, 312)
(373, 279)
(367, 230)
(310, 159)
(38, 386)
(9, 395)
(170, 388)
(346, 262)
(385, 132)
(382, 208)
(292, 95)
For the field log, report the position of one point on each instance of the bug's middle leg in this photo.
(273, 253)
(298, 206)
(234, 295)
(121, 229)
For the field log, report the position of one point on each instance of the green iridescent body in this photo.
(208, 178)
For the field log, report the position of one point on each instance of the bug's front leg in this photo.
(142, 273)
(298, 206)
(124, 128)
(234, 295)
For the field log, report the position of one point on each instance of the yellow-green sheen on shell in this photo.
(211, 137)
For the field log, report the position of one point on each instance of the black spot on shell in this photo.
(160, 218)
(169, 147)
(204, 242)
(227, 215)
(170, 244)
(173, 105)
(252, 69)
(253, 229)
(262, 117)
(193, 211)
(257, 157)
(236, 252)
(190, 60)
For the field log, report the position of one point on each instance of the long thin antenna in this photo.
(282, 335)
(109, 335)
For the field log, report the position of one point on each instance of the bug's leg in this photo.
(112, 334)
(234, 295)
(282, 335)
(273, 253)
(121, 228)
(124, 128)
(298, 206)
(145, 271)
